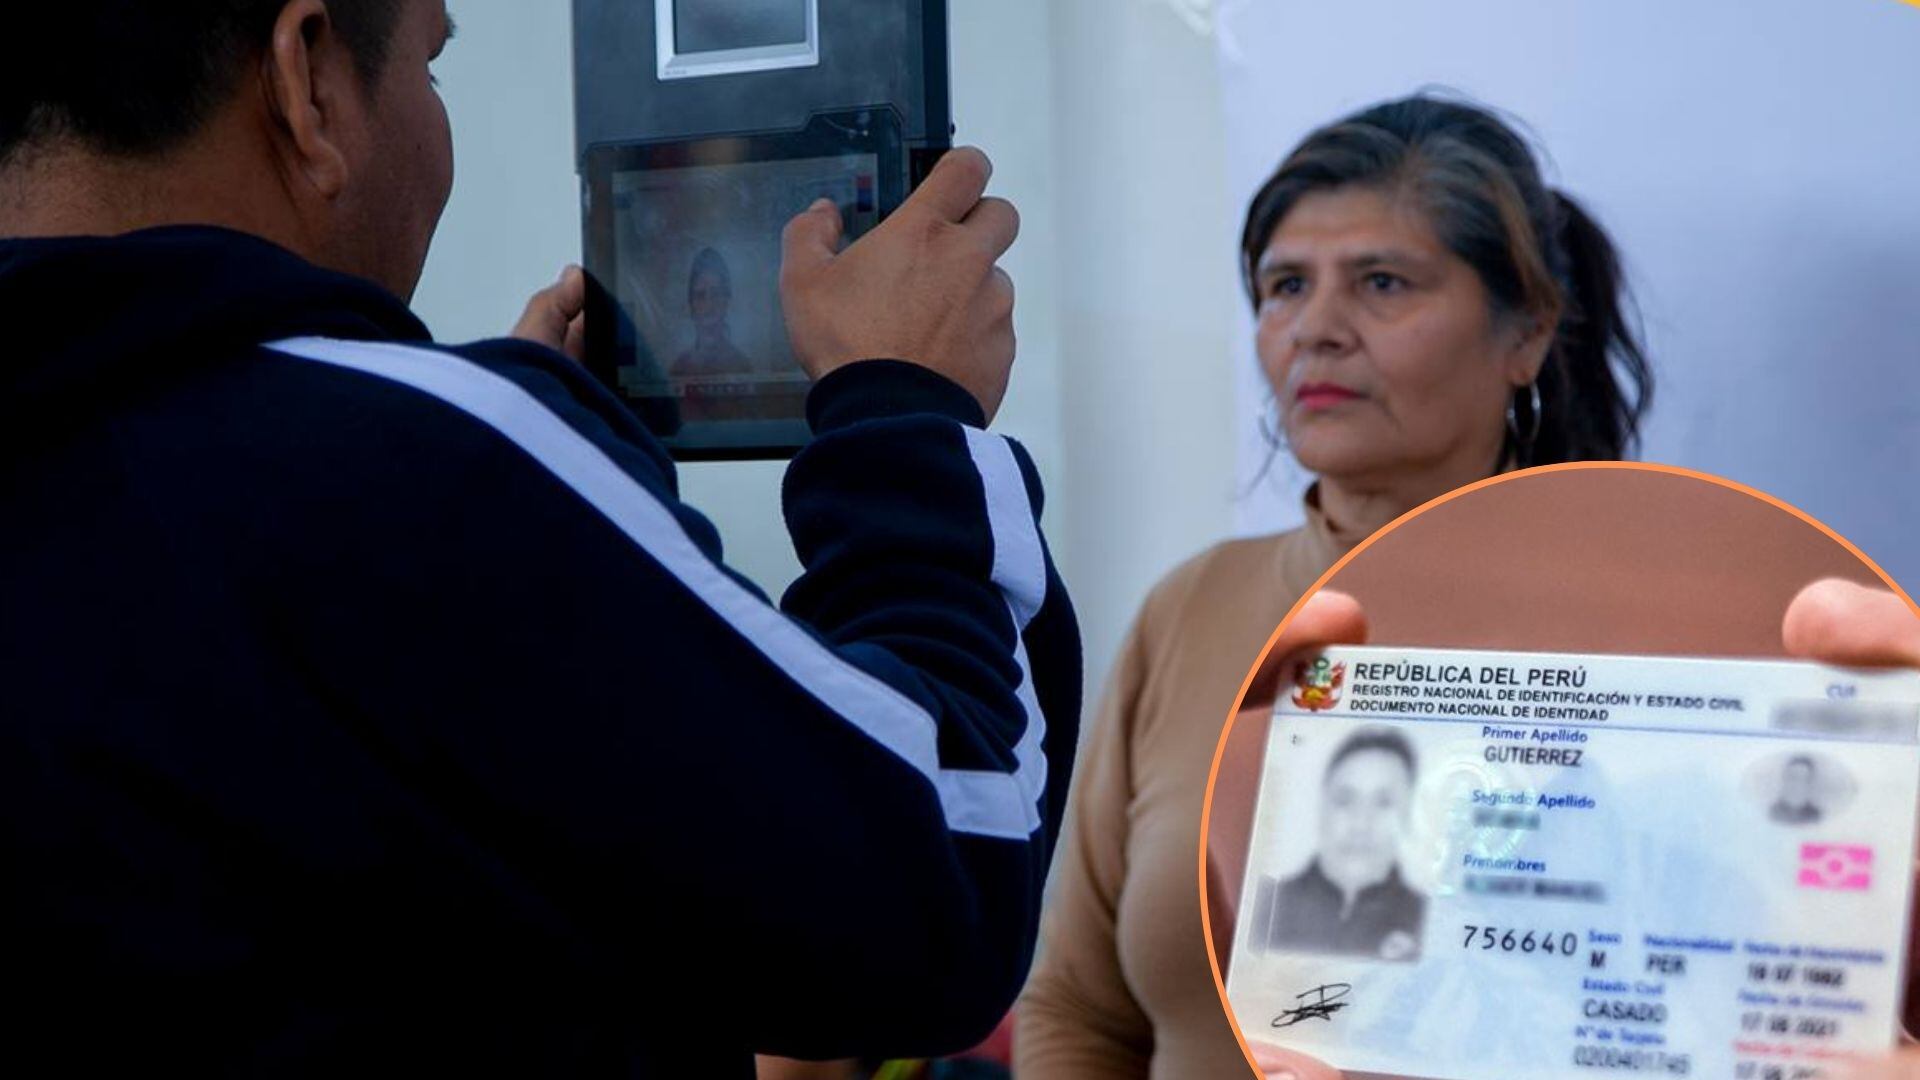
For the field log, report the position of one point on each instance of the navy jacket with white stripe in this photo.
(368, 706)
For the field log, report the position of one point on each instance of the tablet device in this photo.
(704, 126)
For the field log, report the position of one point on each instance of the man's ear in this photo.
(312, 87)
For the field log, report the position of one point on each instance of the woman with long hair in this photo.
(1430, 313)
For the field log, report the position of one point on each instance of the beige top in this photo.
(1122, 987)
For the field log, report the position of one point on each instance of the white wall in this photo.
(514, 218)
(1146, 302)
(1103, 120)
(1754, 159)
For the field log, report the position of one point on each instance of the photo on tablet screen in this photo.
(698, 250)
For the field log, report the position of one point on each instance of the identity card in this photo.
(1530, 865)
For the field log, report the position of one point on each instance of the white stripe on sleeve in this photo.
(978, 802)
(1020, 571)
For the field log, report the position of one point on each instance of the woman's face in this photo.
(708, 299)
(1363, 809)
(1380, 344)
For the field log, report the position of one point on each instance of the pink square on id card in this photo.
(1844, 867)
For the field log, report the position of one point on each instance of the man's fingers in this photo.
(553, 309)
(1327, 618)
(954, 186)
(570, 295)
(1840, 622)
(995, 225)
(999, 294)
(992, 316)
(811, 239)
(1902, 1066)
(576, 342)
(1277, 1064)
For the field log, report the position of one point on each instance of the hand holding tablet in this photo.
(556, 316)
(924, 286)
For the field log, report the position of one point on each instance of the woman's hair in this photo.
(1538, 253)
(1372, 738)
(709, 263)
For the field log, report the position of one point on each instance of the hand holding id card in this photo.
(1522, 865)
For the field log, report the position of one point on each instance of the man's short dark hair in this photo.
(135, 77)
(1385, 740)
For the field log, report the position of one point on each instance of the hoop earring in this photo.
(1269, 424)
(1523, 439)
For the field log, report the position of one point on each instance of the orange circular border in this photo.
(1219, 750)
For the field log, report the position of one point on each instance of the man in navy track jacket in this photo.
(370, 706)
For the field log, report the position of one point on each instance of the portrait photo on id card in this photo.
(1352, 895)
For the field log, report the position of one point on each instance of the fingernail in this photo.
(824, 203)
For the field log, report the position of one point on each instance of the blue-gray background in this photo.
(1757, 159)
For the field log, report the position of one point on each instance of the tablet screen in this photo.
(698, 256)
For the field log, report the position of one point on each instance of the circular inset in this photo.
(1572, 764)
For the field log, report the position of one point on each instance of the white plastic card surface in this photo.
(1528, 865)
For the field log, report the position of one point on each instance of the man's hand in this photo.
(922, 287)
(1278, 1064)
(1327, 618)
(1838, 622)
(555, 317)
